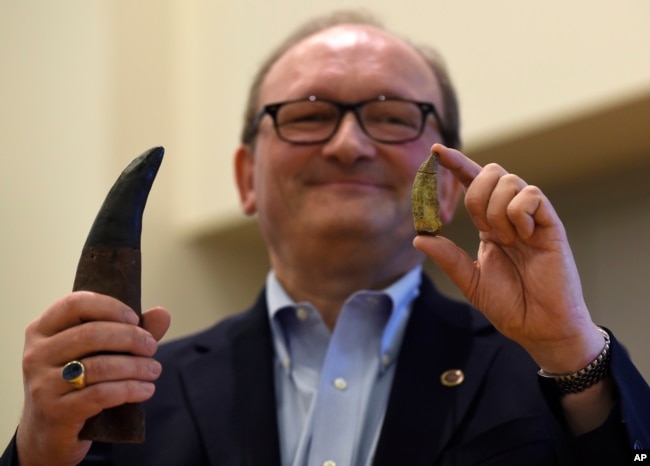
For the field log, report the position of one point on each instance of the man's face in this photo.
(351, 186)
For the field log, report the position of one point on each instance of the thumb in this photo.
(452, 260)
(156, 321)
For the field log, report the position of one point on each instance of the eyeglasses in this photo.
(314, 121)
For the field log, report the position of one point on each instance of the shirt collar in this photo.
(402, 293)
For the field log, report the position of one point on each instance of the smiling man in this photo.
(323, 186)
(350, 356)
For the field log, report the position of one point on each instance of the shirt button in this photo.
(301, 313)
(385, 359)
(329, 463)
(340, 384)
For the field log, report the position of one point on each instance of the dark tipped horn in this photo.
(119, 221)
(110, 264)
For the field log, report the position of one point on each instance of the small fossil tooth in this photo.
(424, 198)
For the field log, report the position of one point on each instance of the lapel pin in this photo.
(452, 377)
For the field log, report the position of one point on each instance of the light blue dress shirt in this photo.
(332, 388)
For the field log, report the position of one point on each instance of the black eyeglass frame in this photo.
(426, 108)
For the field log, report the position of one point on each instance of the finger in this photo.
(69, 411)
(462, 167)
(99, 337)
(500, 207)
(531, 209)
(157, 322)
(115, 367)
(479, 193)
(98, 397)
(80, 307)
(452, 260)
(86, 402)
(105, 368)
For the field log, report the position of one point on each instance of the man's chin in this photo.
(362, 225)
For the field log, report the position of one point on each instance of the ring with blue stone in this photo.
(74, 373)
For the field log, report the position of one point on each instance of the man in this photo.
(350, 356)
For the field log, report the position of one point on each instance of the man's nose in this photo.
(350, 142)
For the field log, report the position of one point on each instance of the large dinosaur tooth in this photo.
(110, 264)
(424, 198)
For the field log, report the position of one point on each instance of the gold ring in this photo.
(74, 373)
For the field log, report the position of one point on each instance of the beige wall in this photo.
(86, 86)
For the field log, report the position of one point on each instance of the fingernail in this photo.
(152, 344)
(131, 317)
(155, 368)
(148, 388)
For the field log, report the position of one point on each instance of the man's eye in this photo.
(313, 117)
(395, 120)
(316, 117)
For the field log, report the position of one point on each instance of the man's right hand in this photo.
(87, 327)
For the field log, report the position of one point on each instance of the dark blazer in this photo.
(215, 402)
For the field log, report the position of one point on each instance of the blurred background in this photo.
(558, 92)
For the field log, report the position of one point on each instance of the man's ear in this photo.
(449, 193)
(244, 176)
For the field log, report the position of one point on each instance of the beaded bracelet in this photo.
(591, 374)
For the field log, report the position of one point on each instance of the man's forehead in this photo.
(349, 36)
(350, 46)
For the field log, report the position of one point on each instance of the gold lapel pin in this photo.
(452, 377)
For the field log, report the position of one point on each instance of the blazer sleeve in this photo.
(626, 428)
(10, 455)
(633, 395)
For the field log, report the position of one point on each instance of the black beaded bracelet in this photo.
(591, 374)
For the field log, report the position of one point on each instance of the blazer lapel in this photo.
(233, 402)
(422, 413)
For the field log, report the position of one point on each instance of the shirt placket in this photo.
(340, 405)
